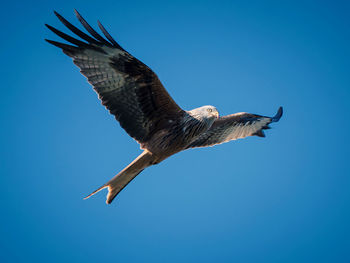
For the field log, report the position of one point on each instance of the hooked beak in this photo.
(216, 114)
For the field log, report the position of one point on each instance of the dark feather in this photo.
(259, 133)
(91, 30)
(73, 40)
(128, 88)
(77, 31)
(108, 36)
(65, 47)
(278, 115)
(67, 37)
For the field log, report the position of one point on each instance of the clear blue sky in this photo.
(284, 198)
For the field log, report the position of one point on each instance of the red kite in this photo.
(132, 92)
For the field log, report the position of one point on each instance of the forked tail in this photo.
(118, 182)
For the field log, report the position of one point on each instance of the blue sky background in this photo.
(284, 198)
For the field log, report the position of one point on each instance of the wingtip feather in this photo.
(260, 133)
(278, 115)
(91, 30)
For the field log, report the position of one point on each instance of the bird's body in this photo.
(177, 134)
(132, 92)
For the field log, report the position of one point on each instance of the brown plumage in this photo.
(132, 92)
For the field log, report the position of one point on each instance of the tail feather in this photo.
(97, 190)
(118, 182)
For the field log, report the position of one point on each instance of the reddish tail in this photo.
(118, 182)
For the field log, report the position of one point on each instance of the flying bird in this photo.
(133, 93)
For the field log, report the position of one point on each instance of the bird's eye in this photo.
(210, 110)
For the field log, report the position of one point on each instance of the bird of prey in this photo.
(132, 92)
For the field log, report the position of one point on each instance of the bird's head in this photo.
(207, 113)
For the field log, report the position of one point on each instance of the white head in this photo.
(205, 113)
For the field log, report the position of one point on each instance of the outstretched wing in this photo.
(129, 89)
(235, 126)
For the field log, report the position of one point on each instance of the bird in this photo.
(133, 93)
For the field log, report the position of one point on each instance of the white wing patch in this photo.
(240, 130)
(232, 127)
